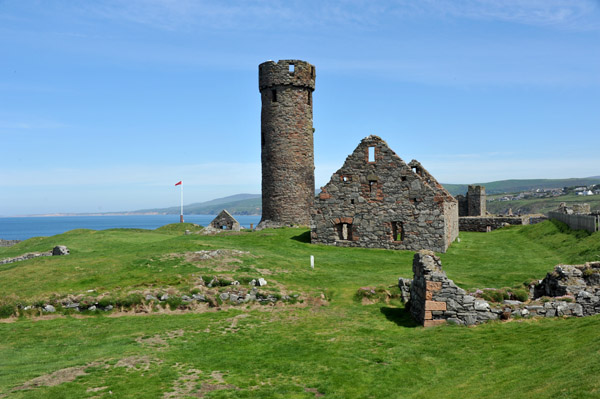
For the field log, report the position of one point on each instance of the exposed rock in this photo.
(49, 309)
(60, 250)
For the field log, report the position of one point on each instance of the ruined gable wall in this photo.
(371, 196)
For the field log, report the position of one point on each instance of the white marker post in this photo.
(312, 262)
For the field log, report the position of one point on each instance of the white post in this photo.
(312, 262)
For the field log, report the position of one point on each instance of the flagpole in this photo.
(181, 214)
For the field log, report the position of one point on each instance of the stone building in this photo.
(288, 181)
(376, 200)
(473, 204)
(224, 222)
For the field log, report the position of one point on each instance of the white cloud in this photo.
(567, 13)
(242, 14)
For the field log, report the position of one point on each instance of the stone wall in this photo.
(433, 299)
(474, 203)
(577, 222)
(57, 250)
(485, 224)
(287, 154)
(580, 283)
(8, 243)
(476, 199)
(376, 200)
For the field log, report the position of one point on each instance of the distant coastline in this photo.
(42, 215)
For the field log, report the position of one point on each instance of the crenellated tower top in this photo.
(286, 73)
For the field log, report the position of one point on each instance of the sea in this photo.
(22, 228)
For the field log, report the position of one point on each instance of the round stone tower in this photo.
(287, 155)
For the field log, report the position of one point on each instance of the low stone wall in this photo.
(433, 299)
(8, 243)
(577, 222)
(576, 283)
(57, 250)
(535, 219)
(489, 223)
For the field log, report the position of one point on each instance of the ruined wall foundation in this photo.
(433, 299)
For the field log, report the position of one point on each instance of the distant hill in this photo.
(239, 204)
(250, 204)
(514, 186)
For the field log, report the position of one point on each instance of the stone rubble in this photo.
(433, 299)
(57, 250)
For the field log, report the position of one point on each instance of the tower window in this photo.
(371, 151)
(312, 71)
(309, 100)
(346, 179)
(397, 231)
(372, 183)
(274, 95)
(292, 68)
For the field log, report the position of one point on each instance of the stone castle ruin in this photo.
(473, 215)
(287, 154)
(376, 200)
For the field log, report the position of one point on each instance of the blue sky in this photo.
(105, 105)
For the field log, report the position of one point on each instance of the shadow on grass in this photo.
(400, 316)
(304, 237)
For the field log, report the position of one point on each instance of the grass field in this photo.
(336, 348)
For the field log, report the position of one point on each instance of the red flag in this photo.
(177, 183)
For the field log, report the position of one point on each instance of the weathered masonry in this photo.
(376, 200)
(474, 203)
(287, 155)
(433, 299)
(225, 221)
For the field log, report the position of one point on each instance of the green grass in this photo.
(343, 350)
